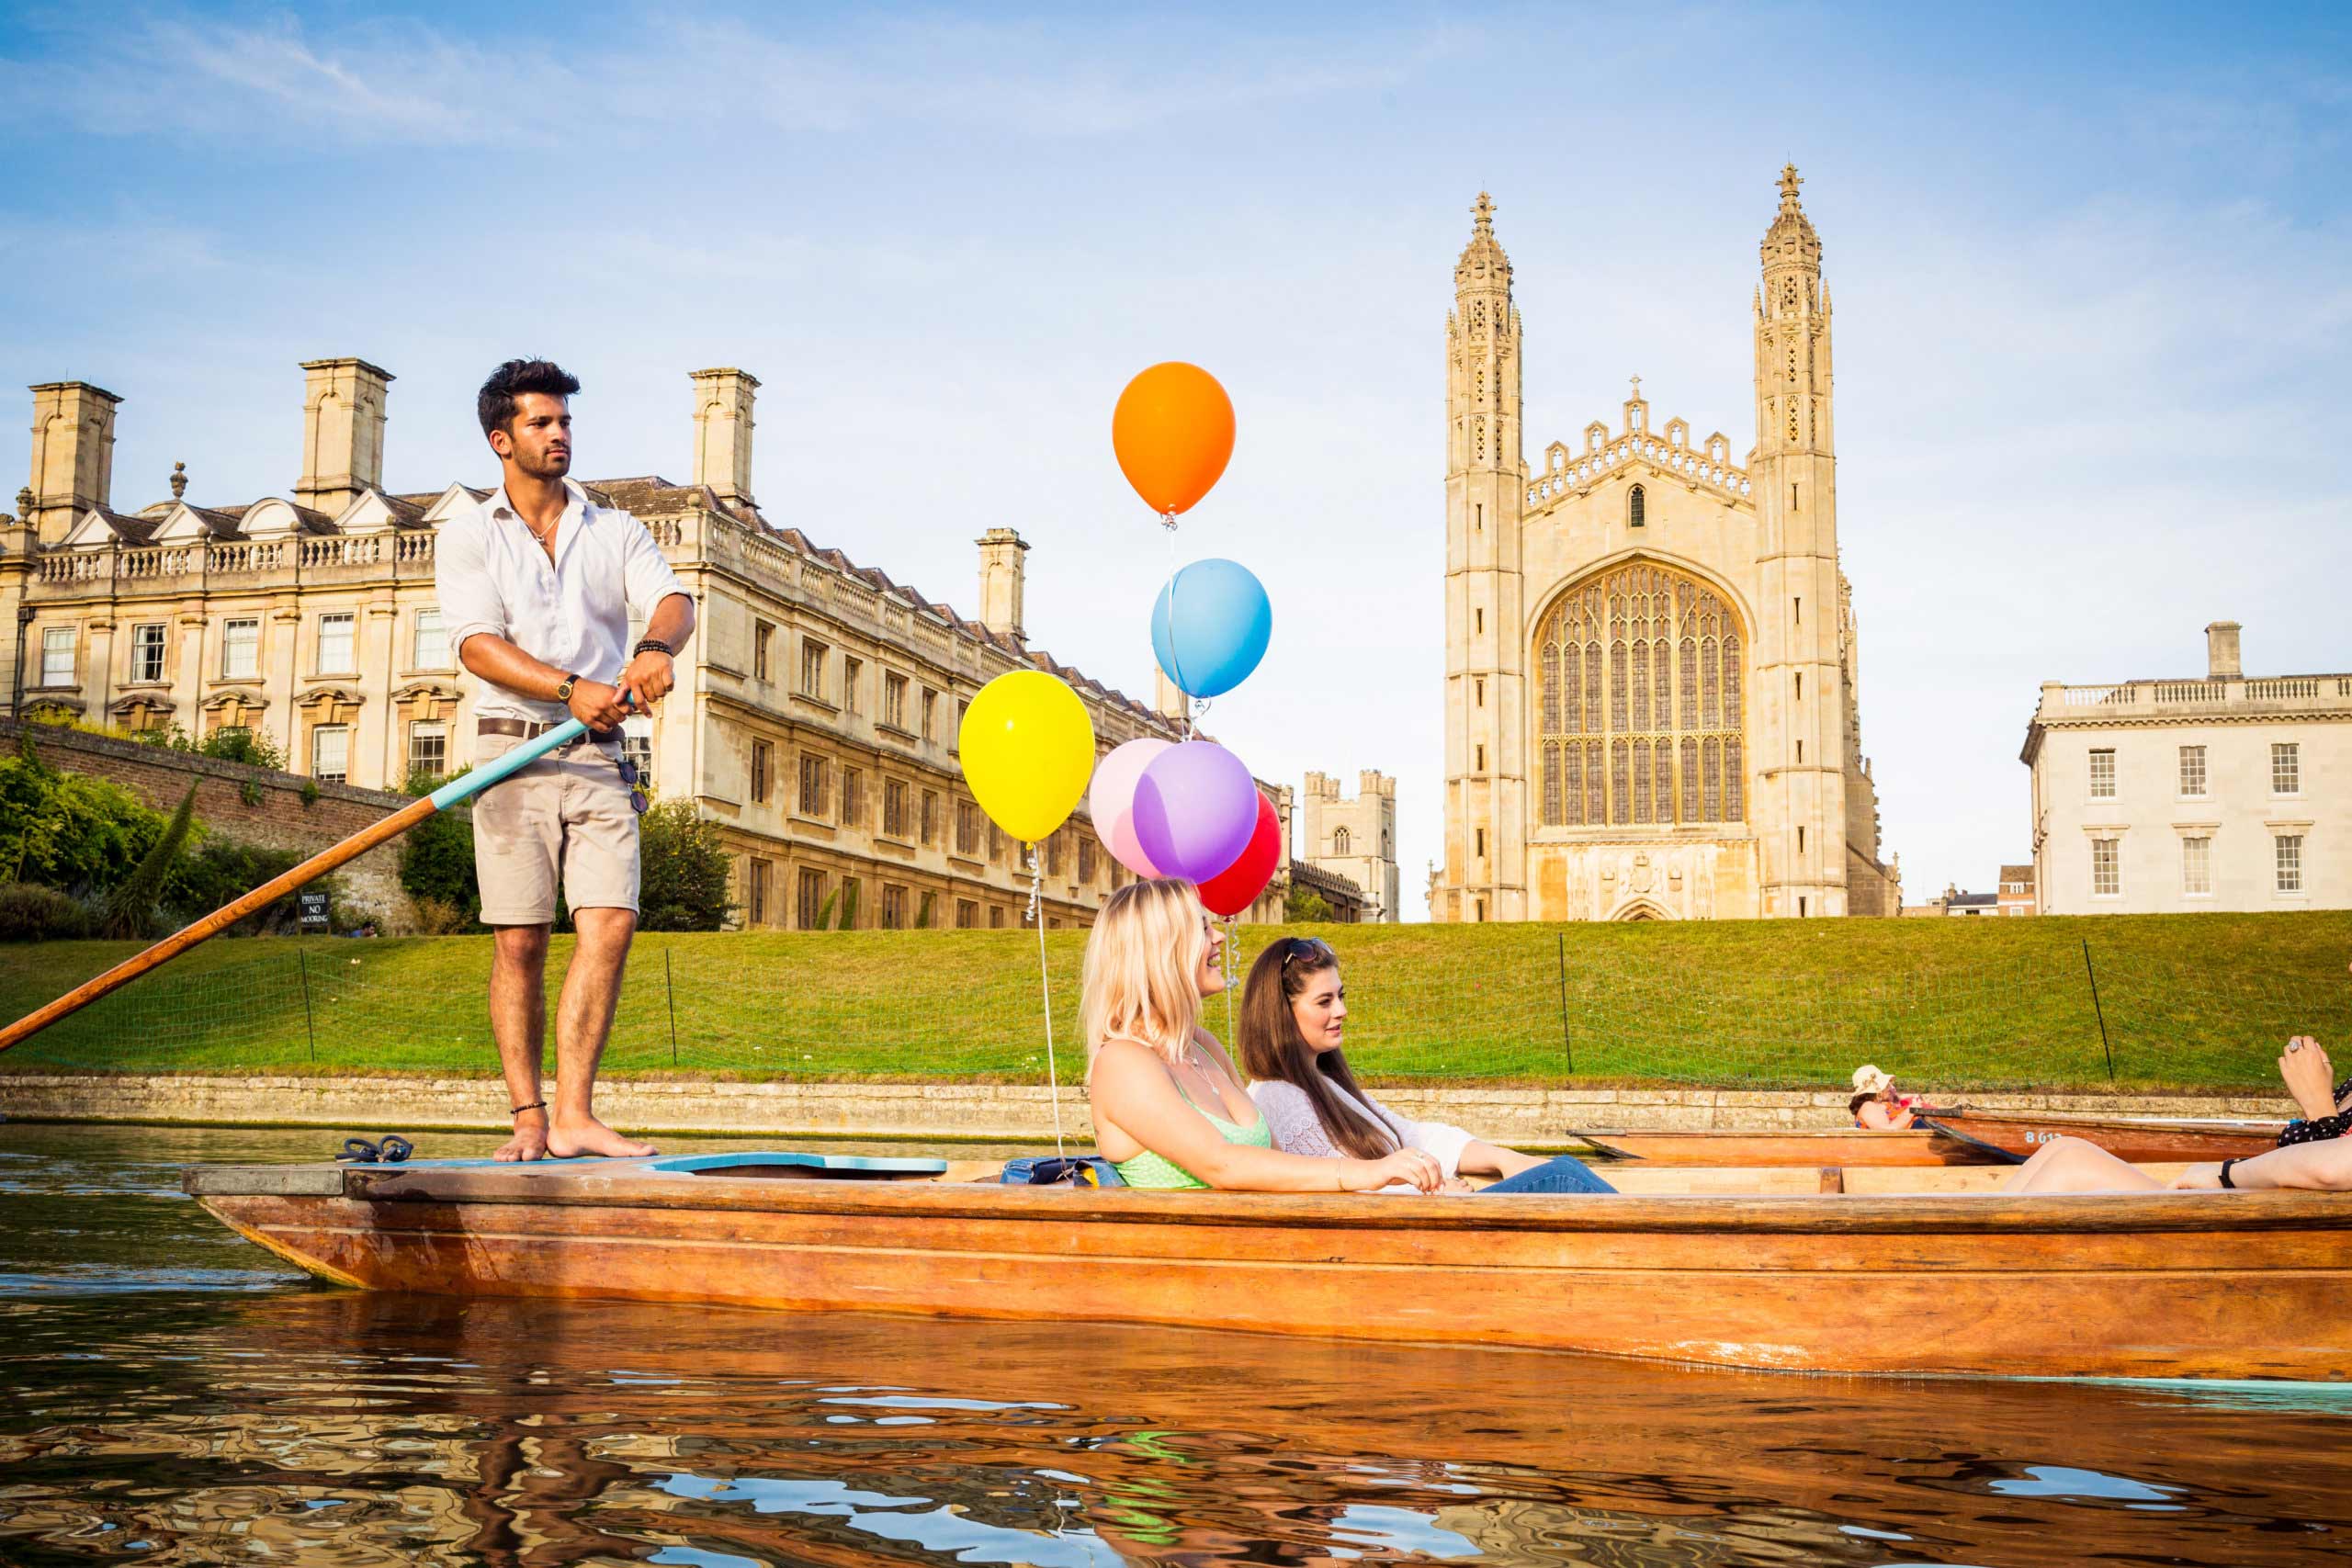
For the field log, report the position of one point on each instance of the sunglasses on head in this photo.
(1310, 947)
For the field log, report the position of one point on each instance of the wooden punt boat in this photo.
(1972, 1137)
(1891, 1274)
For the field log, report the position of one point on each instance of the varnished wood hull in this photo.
(2137, 1140)
(2188, 1285)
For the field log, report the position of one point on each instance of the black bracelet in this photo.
(655, 645)
(534, 1105)
(2225, 1173)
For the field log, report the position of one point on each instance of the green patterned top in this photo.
(1148, 1169)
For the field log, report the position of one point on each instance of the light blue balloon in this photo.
(1211, 626)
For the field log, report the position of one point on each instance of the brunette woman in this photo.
(1293, 1012)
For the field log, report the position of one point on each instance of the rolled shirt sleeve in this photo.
(647, 576)
(470, 599)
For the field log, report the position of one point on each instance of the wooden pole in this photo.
(269, 892)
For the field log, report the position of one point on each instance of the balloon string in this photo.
(1168, 522)
(1230, 1043)
(1045, 989)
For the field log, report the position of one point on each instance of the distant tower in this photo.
(1799, 690)
(343, 433)
(1486, 768)
(723, 399)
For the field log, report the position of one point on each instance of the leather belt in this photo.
(527, 730)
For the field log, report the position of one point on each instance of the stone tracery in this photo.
(1668, 746)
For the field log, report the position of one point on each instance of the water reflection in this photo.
(167, 1393)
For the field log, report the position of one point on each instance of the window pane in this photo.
(57, 655)
(2105, 874)
(2286, 768)
(2102, 775)
(812, 902)
(1553, 812)
(428, 747)
(147, 652)
(329, 753)
(2196, 865)
(431, 650)
(1621, 792)
(2290, 862)
(239, 650)
(2192, 770)
(334, 645)
(1641, 781)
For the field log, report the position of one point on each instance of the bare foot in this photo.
(529, 1142)
(589, 1136)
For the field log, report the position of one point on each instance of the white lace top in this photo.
(1297, 1130)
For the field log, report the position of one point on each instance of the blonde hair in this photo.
(1142, 958)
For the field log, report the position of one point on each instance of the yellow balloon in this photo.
(1028, 751)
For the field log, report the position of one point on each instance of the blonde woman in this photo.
(1169, 1110)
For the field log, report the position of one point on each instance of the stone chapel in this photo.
(1651, 657)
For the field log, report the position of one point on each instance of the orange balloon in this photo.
(1173, 432)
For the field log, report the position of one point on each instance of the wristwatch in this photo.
(563, 693)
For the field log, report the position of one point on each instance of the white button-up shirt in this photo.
(571, 612)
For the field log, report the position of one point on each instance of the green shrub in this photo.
(685, 870)
(130, 907)
(1306, 905)
(437, 864)
(29, 913)
(221, 870)
(68, 830)
(242, 745)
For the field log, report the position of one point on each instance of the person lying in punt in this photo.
(2073, 1164)
(1169, 1110)
(1294, 1014)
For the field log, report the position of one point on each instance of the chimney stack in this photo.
(72, 454)
(343, 433)
(2222, 651)
(1168, 699)
(1001, 577)
(723, 431)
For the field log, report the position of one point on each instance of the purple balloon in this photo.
(1195, 807)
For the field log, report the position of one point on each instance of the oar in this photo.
(269, 892)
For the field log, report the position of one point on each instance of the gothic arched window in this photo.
(1666, 746)
(1636, 508)
(1340, 842)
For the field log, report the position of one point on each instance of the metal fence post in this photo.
(309, 1025)
(2099, 1012)
(669, 991)
(1568, 1046)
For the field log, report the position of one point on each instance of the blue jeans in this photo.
(1562, 1173)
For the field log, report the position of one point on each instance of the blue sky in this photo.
(2093, 271)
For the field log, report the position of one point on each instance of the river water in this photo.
(169, 1393)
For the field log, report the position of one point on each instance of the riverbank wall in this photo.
(991, 1112)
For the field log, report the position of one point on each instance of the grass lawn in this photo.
(2188, 1002)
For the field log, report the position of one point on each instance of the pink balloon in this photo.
(1111, 801)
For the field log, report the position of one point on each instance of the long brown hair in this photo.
(1273, 1050)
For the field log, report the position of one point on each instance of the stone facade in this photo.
(1356, 838)
(1652, 658)
(815, 718)
(255, 806)
(2222, 793)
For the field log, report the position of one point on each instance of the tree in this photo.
(849, 907)
(684, 871)
(437, 859)
(1306, 904)
(130, 910)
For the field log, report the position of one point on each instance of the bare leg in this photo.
(2071, 1165)
(592, 989)
(518, 1006)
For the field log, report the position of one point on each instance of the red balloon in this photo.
(1237, 887)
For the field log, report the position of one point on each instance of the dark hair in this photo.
(495, 404)
(1854, 1106)
(1272, 1049)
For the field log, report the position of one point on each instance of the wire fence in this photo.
(1532, 1005)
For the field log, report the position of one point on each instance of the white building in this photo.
(2214, 793)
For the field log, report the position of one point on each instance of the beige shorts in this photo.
(566, 814)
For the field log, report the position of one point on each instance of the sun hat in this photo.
(1870, 1080)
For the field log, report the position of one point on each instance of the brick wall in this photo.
(278, 819)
